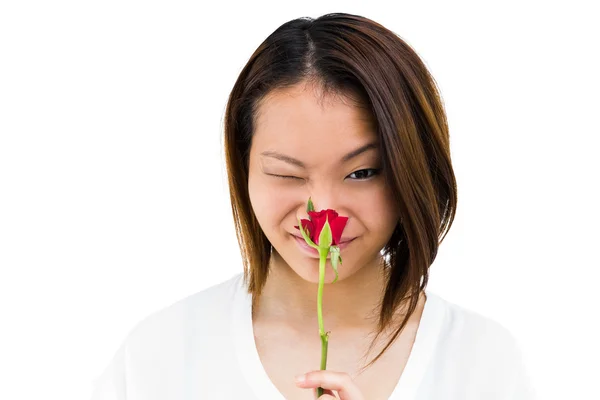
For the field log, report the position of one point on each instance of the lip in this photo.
(312, 251)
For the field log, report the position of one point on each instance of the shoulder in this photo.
(465, 325)
(195, 323)
(477, 340)
(170, 331)
(154, 355)
(481, 349)
(207, 306)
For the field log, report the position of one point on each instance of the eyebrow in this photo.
(291, 160)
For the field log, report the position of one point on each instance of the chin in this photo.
(313, 276)
(303, 261)
(308, 270)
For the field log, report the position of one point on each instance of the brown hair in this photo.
(359, 59)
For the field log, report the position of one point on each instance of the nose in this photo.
(323, 198)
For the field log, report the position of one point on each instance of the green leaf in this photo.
(305, 235)
(335, 260)
(310, 206)
(325, 237)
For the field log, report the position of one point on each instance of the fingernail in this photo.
(300, 378)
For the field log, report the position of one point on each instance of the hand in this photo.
(331, 381)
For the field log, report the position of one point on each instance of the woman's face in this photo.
(293, 125)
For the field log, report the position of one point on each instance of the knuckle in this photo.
(346, 377)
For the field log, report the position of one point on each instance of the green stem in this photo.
(322, 333)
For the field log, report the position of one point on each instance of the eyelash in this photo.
(375, 172)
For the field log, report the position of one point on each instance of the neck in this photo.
(350, 303)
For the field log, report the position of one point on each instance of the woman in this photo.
(341, 110)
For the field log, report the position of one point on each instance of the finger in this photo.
(341, 382)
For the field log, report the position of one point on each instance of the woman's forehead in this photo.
(300, 118)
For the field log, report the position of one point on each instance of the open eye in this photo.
(361, 172)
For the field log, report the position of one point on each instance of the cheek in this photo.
(258, 199)
(383, 214)
(269, 204)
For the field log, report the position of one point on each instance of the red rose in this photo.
(330, 225)
(317, 221)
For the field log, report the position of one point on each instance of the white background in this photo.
(113, 198)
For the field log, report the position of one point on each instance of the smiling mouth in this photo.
(340, 243)
(314, 253)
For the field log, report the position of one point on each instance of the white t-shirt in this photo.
(202, 347)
